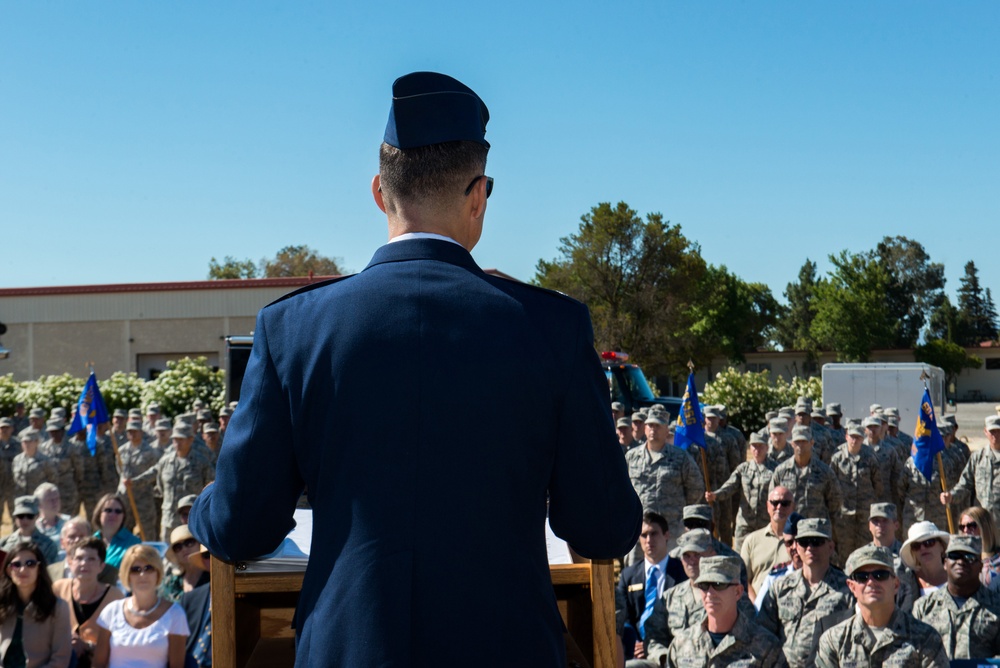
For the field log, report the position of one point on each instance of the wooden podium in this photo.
(252, 613)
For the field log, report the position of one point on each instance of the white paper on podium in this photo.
(557, 548)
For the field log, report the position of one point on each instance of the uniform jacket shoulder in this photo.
(309, 288)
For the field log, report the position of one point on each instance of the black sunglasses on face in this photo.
(930, 542)
(810, 541)
(190, 542)
(489, 185)
(717, 586)
(27, 563)
(697, 524)
(862, 577)
(784, 503)
(971, 526)
(967, 557)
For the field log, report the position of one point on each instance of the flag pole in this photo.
(704, 464)
(940, 463)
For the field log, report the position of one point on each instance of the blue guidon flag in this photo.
(90, 412)
(690, 421)
(927, 441)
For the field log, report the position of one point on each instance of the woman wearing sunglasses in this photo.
(184, 575)
(109, 518)
(143, 630)
(923, 569)
(34, 623)
(977, 521)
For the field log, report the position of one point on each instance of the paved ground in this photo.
(970, 422)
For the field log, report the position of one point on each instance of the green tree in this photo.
(299, 261)
(916, 286)
(232, 268)
(732, 316)
(947, 323)
(639, 279)
(951, 357)
(851, 317)
(977, 309)
(794, 329)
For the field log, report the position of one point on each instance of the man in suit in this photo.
(632, 585)
(415, 534)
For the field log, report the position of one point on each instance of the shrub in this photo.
(184, 381)
(749, 396)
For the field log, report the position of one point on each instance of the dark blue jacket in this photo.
(430, 410)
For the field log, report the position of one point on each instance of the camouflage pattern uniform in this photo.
(892, 471)
(176, 477)
(69, 465)
(824, 444)
(107, 465)
(923, 497)
(792, 610)
(718, 471)
(969, 632)
(30, 472)
(860, 486)
(753, 480)
(135, 461)
(980, 480)
(814, 489)
(747, 645)
(8, 451)
(780, 457)
(904, 642)
(665, 481)
(90, 485)
(680, 608)
(737, 451)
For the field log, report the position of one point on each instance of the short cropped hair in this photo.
(44, 489)
(427, 172)
(659, 520)
(136, 553)
(91, 543)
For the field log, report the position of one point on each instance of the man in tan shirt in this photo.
(765, 548)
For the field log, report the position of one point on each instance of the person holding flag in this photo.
(90, 412)
(981, 476)
(690, 431)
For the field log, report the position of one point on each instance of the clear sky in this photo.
(139, 139)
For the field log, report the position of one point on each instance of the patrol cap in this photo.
(431, 108)
(186, 501)
(695, 540)
(874, 407)
(163, 425)
(719, 570)
(814, 527)
(854, 421)
(698, 511)
(135, 413)
(657, 408)
(184, 418)
(777, 426)
(893, 421)
(133, 425)
(818, 413)
(712, 411)
(25, 505)
(656, 417)
(803, 409)
(31, 435)
(757, 439)
(855, 430)
(55, 424)
(198, 404)
(770, 415)
(881, 416)
(5, 422)
(37, 412)
(786, 412)
(226, 411)
(722, 411)
(945, 428)
(59, 412)
(993, 422)
(886, 510)
(181, 431)
(803, 399)
(210, 427)
(891, 411)
(204, 415)
(964, 543)
(868, 555)
(671, 427)
(802, 433)
(792, 524)
(120, 412)
(617, 406)
(638, 417)
(153, 409)
(623, 422)
(834, 410)
(871, 422)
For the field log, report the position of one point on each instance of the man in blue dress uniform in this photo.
(427, 550)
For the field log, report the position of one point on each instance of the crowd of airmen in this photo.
(802, 520)
(149, 459)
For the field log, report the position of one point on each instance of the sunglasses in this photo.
(717, 586)
(27, 563)
(930, 542)
(879, 576)
(697, 524)
(139, 570)
(24, 517)
(971, 526)
(114, 511)
(967, 557)
(783, 503)
(489, 185)
(190, 542)
(810, 541)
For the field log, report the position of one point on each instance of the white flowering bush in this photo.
(749, 396)
(184, 381)
(51, 391)
(122, 390)
(9, 389)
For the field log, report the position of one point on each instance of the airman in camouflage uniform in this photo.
(118, 421)
(10, 447)
(981, 477)
(750, 483)
(860, 481)
(665, 477)
(36, 421)
(226, 413)
(972, 630)
(923, 496)
(822, 434)
(837, 430)
(136, 458)
(879, 634)
(31, 468)
(177, 474)
(210, 433)
(745, 644)
(152, 417)
(107, 462)
(639, 426)
(796, 604)
(719, 449)
(813, 485)
(90, 485)
(69, 464)
(779, 449)
(700, 516)
(889, 462)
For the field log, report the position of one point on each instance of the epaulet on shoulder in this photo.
(554, 293)
(311, 286)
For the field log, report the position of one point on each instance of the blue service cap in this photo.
(431, 108)
(792, 524)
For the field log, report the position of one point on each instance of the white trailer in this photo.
(857, 386)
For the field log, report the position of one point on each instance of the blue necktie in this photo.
(652, 580)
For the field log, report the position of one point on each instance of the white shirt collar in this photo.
(422, 235)
(662, 565)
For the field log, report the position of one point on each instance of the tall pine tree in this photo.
(976, 309)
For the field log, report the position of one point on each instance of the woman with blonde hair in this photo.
(142, 630)
(977, 521)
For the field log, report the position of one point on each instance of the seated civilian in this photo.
(34, 624)
(109, 519)
(50, 520)
(183, 577)
(74, 530)
(197, 605)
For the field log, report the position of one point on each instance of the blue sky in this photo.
(139, 139)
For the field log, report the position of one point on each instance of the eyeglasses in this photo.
(967, 557)
(862, 577)
(190, 542)
(810, 541)
(139, 570)
(489, 185)
(113, 511)
(784, 503)
(971, 526)
(930, 542)
(717, 586)
(27, 563)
